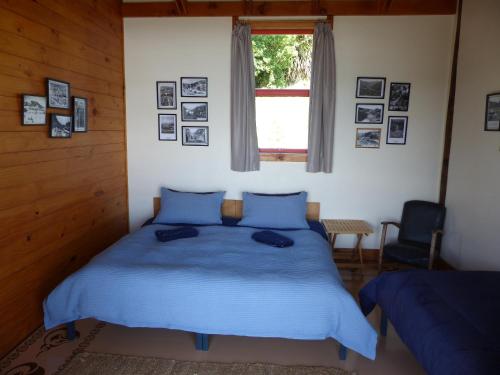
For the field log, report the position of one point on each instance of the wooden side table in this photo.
(358, 227)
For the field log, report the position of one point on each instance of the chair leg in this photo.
(342, 353)
(70, 331)
(381, 249)
(201, 342)
(383, 324)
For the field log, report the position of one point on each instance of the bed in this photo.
(221, 282)
(448, 319)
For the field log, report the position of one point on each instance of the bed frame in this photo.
(231, 208)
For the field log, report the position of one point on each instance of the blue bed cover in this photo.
(448, 319)
(221, 282)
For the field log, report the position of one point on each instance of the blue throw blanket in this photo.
(272, 238)
(221, 282)
(165, 235)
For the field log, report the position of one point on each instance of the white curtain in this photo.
(322, 101)
(244, 148)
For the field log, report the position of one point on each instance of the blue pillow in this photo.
(189, 208)
(275, 211)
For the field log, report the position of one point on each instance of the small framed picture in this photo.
(368, 138)
(396, 130)
(399, 96)
(167, 127)
(58, 94)
(166, 94)
(194, 87)
(194, 111)
(370, 87)
(195, 135)
(367, 113)
(34, 109)
(492, 120)
(60, 126)
(80, 115)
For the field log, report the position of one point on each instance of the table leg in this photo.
(360, 250)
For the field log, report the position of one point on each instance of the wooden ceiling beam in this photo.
(289, 8)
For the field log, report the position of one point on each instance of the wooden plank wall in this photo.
(61, 200)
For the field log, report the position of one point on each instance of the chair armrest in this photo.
(434, 241)
(396, 224)
(437, 231)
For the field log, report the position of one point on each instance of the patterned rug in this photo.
(88, 363)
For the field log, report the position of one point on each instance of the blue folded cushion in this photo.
(165, 235)
(272, 238)
(275, 211)
(189, 208)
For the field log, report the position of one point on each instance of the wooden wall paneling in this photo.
(61, 200)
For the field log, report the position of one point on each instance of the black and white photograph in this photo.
(492, 121)
(167, 127)
(399, 96)
(369, 113)
(194, 87)
(396, 130)
(60, 126)
(194, 111)
(166, 94)
(370, 87)
(368, 138)
(34, 109)
(80, 115)
(195, 135)
(58, 94)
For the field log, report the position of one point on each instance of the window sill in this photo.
(287, 157)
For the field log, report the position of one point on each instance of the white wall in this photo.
(366, 183)
(473, 197)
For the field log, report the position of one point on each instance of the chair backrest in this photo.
(419, 219)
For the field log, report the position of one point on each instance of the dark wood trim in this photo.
(288, 8)
(451, 107)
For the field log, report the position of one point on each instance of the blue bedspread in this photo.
(221, 282)
(448, 319)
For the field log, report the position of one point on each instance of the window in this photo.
(282, 61)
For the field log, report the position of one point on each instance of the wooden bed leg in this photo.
(201, 342)
(342, 352)
(383, 324)
(70, 331)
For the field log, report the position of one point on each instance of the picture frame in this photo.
(60, 126)
(167, 127)
(399, 96)
(492, 113)
(58, 94)
(166, 94)
(195, 135)
(34, 110)
(368, 137)
(194, 111)
(370, 87)
(369, 113)
(396, 130)
(80, 114)
(194, 87)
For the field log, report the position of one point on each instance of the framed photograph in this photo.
(367, 113)
(167, 127)
(194, 111)
(60, 126)
(166, 94)
(368, 138)
(492, 121)
(58, 94)
(370, 87)
(34, 109)
(195, 135)
(194, 87)
(396, 130)
(399, 96)
(80, 115)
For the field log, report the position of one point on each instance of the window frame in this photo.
(282, 154)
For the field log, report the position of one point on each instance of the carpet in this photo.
(88, 363)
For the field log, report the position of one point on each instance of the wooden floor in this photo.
(49, 350)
